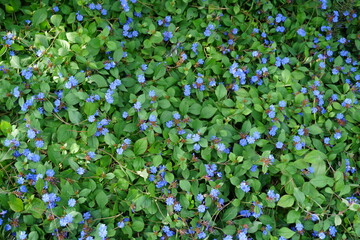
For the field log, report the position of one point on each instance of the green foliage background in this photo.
(120, 187)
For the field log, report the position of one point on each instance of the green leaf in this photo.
(220, 91)
(16, 204)
(101, 199)
(208, 111)
(159, 72)
(169, 177)
(5, 127)
(300, 196)
(118, 54)
(315, 129)
(74, 116)
(33, 236)
(37, 208)
(286, 76)
(298, 75)
(286, 232)
(314, 156)
(64, 132)
(185, 185)
(321, 181)
(164, 103)
(90, 108)
(56, 20)
(3, 49)
(15, 62)
(156, 38)
(292, 216)
(286, 201)
(230, 214)
(112, 45)
(100, 80)
(338, 220)
(140, 146)
(39, 16)
(138, 225)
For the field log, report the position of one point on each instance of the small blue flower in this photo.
(279, 145)
(301, 32)
(244, 186)
(80, 171)
(177, 207)
(79, 17)
(102, 230)
(332, 231)
(167, 35)
(71, 202)
(169, 201)
(22, 235)
(299, 227)
(200, 197)
(66, 220)
(201, 208)
(137, 106)
(50, 172)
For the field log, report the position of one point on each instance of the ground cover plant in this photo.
(179, 119)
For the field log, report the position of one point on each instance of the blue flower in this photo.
(214, 193)
(31, 134)
(197, 147)
(177, 207)
(121, 224)
(141, 78)
(22, 235)
(201, 208)
(79, 17)
(201, 235)
(299, 227)
(273, 196)
(337, 135)
(301, 32)
(279, 145)
(332, 231)
(23, 189)
(102, 230)
(282, 103)
(87, 215)
(322, 235)
(27, 73)
(144, 67)
(200, 197)
(39, 143)
(314, 217)
(243, 142)
(98, 6)
(167, 35)
(15, 92)
(71, 83)
(169, 201)
(169, 124)
(80, 171)
(244, 186)
(71, 202)
(273, 130)
(137, 106)
(66, 220)
(187, 90)
(50, 172)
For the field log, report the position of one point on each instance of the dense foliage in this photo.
(179, 119)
